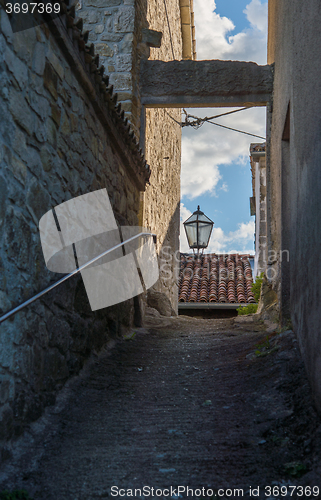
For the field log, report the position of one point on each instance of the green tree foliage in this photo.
(256, 287)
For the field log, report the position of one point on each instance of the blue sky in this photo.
(215, 162)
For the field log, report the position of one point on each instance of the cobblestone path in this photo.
(185, 402)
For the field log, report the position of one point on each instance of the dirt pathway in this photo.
(185, 403)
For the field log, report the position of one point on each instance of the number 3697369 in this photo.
(48, 8)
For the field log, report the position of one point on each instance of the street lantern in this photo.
(198, 228)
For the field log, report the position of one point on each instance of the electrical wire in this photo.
(169, 29)
(198, 122)
(236, 130)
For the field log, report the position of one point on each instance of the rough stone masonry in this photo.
(60, 136)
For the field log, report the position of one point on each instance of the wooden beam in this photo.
(204, 84)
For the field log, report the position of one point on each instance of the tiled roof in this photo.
(215, 278)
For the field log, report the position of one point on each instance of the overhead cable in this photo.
(169, 29)
(198, 122)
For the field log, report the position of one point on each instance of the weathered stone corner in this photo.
(152, 38)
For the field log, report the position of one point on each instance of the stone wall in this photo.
(124, 33)
(60, 136)
(115, 27)
(294, 176)
(163, 153)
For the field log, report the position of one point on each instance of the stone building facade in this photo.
(125, 32)
(294, 173)
(62, 134)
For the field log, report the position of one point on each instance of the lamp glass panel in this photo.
(192, 218)
(204, 232)
(191, 233)
(204, 218)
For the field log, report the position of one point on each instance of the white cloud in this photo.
(233, 242)
(256, 13)
(205, 149)
(214, 41)
(224, 187)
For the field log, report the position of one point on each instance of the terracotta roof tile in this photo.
(215, 278)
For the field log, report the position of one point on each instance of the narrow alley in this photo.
(196, 403)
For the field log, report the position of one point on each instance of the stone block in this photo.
(65, 125)
(3, 199)
(52, 132)
(47, 158)
(22, 361)
(127, 106)
(55, 113)
(111, 37)
(104, 50)
(51, 80)
(124, 62)
(17, 241)
(37, 367)
(55, 63)
(20, 111)
(152, 38)
(73, 122)
(38, 200)
(33, 161)
(92, 37)
(93, 17)
(6, 26)
(39, 104)
(6, 420)
(55, 365)
(102, 3)
(121, 81)
(160, 302)
(39, 58)
(3, 45)
(7, 386)
(77, 105)
(126, 45)
(186, 15)
(17, 68)
(124, 96)
(36, 83)
(205, 82)
(5, 304)
(24, 43)
(40, 131)
(94, 146)
(18, 169)
(99, 29)
(59, 333)
(125, 20)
